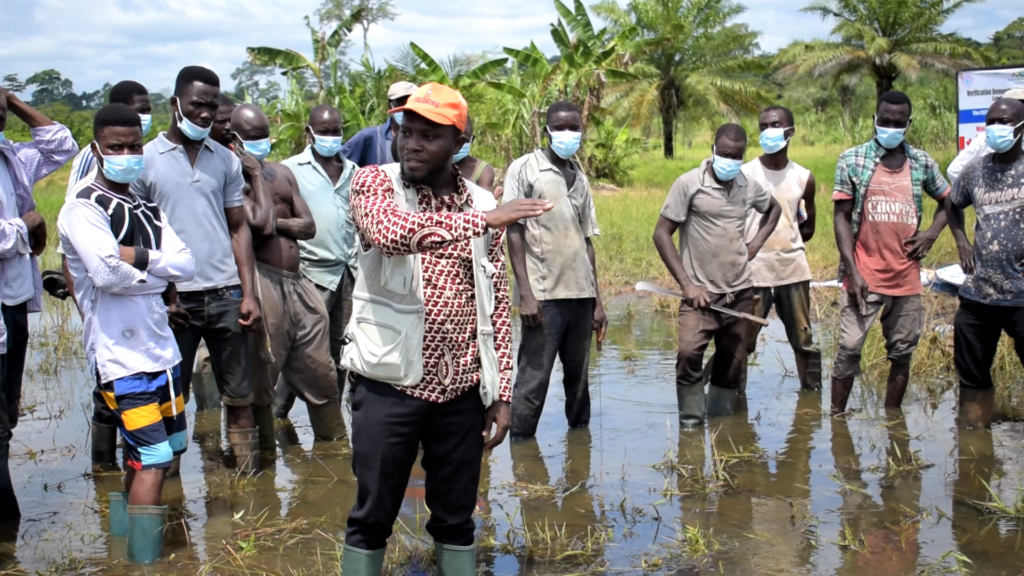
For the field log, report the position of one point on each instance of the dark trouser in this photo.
(793, 304)
(12, 366)
(214, 318)
(339, 309)
(565, 334)
(976, 332)
(697, 328)
(388, 427)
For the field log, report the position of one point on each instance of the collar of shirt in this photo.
(164, 145)
(306, 158)
(458, 199)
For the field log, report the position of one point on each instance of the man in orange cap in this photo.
(429, 344)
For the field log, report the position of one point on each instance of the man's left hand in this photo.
(250, 313)
(918, 245)
(499, 415)
(600, 323)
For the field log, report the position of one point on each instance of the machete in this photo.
(648, 287)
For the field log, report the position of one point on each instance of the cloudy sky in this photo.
(95, 41)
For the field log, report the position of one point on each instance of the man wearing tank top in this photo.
(781, 274)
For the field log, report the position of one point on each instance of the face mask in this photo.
(725, 168)
(1000, 137)
(461, 154)
(122, 169)
(565, 143)
(326, 146)
(398, 117)
(258, 148)
(889, 138)
(773, 140)
(3, 138)
(190, 130)
(147, 123)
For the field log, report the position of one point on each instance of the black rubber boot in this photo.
(721, 401)
(841, 388)
(808, 369)
(264, 416)
(326, 420)
(691, 405)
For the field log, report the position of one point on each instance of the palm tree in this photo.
(702, 64)
(883, 40)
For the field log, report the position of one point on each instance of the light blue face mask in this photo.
(1000, 137)
(565, 143)
(147, 123)
(773, 140)
(398, 117)
(258, 148)
(725, 168)
(889, 138)
(461, 154)
(326, 146)
(190, 130)
(123, 169)
(3, 138)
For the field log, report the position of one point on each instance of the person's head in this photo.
(1004, 124)
(467, 133)
(893, 114)
(117, 143)
(324, 130)
(777, 127)
(728, 150)
(398, 95)
(250, 125)
(565, 128)
(195, 102)
(1015, 94)
(135, 96)
(431, 131)
(220, 131)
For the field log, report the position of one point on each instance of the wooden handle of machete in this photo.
(754, 319)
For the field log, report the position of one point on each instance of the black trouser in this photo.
(213, 318)
(976, 332)
(565, 334)
(388, 427)
(12, 366)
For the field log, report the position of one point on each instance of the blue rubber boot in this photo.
(118, 513)
(146, 533)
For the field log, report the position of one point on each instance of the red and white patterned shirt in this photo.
(442, 233)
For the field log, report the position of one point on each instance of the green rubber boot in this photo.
(326, 420)
(146, 533)
(721, 401)
(455, 560)
(356, 562)
(691, 405)
(264, 416)
(118, 513)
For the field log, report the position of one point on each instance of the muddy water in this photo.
(778, 489)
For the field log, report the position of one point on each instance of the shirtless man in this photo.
(296, 337)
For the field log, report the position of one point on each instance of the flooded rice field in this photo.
(778, 489)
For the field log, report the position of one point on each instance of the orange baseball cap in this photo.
(437, 103)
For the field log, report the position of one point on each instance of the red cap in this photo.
(437, 103)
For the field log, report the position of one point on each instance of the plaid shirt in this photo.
(856, 167)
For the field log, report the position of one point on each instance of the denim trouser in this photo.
(214, 316)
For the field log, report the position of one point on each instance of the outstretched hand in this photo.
(516, 210)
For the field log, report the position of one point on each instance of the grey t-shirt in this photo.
(556, 248)
(194, 199)
(997, 194)
(712, 244)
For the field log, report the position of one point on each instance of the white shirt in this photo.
(125, 328)
(976, 149)
(18, 286)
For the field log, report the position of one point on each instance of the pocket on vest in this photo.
(384, 341)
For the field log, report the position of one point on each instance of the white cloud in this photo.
(97, 41)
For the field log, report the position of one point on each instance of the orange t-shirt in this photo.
(889, 219)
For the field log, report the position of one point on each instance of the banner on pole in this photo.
(976, 91)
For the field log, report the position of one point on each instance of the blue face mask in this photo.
(326, 146)
(889, 138)
(773, 140)
(147, 123)
(461, 154)
(122, 169)
(190, 130)
(2, 138)
(565, 143)
(258, 148)
(398, 117)
(1000, 137)
(725, 168)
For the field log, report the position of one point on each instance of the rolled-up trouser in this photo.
(213, 318)
(298, 338)
(388, 427)
(697, 328)
(565, 334)
(976, 332)
(792, 303)
(901, 327)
